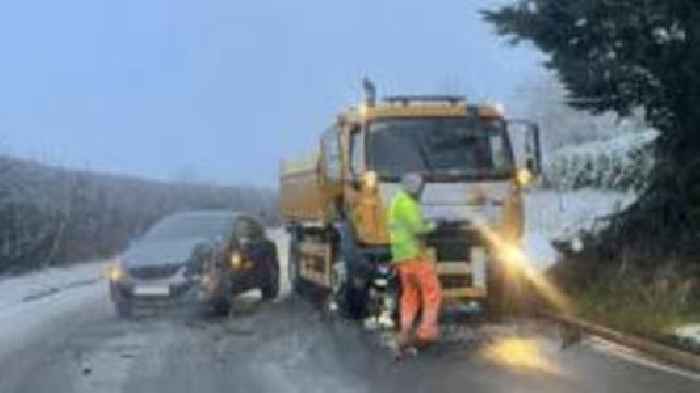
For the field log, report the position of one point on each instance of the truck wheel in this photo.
(295, 281)
(333, 301)
(508, 293)
(351, 301)
(123, 308)
(520, 295)
(271, 287)
(496, 291)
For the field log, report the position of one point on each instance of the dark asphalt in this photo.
(286, 347)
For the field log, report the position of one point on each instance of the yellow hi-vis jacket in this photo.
(406, 224)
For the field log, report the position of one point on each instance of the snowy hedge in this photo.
(52, 215)
(622, 164)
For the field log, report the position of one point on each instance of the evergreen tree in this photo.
(619, 55)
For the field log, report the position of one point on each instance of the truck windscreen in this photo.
(439, 147)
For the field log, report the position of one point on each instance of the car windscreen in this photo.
(191, 226)
(439, 147)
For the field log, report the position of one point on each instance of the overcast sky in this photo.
(221, 90)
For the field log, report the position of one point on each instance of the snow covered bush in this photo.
(622, 163)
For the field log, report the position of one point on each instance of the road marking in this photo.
(633, 356)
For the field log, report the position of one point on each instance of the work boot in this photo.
(422, 343)
(405, 353)
(404, 347)
(404, 340)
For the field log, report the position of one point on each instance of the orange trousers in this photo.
(420, 288)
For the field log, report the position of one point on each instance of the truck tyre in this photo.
(271, 282)
(508, 293)
(520, 295)
(123, 308)
(334, 302)
(329, 301)
(496, 291)
(295, 282)
(343, 299)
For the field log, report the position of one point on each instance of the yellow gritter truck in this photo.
(335, 201)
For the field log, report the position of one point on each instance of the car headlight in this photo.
(236, 260)
(116, 272)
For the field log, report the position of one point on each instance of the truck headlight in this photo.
(369, 180)
(524, 177)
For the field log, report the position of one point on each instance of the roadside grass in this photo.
(632, 309)
(636, 303)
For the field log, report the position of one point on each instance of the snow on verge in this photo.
(688, 336)
(23, 322)
(622, 163)
(39, 284)
(550, 215)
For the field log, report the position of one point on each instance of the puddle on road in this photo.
(520, 346)
(521, 354)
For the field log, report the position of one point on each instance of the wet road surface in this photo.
(286, 346)
(72, 342)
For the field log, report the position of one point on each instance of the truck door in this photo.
(332, 171)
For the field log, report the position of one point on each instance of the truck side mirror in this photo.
(528, 133)
(533, 149)
(366, 181)
(530, 165)
(355, 182)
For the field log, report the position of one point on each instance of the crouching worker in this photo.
(420, 288)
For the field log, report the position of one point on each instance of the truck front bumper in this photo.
(461, 260)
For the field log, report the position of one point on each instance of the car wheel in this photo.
(123, 308)
(221, 306)
(271, 287)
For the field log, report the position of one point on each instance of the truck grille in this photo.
(456, 282)
(452, 252)
(452, 244)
